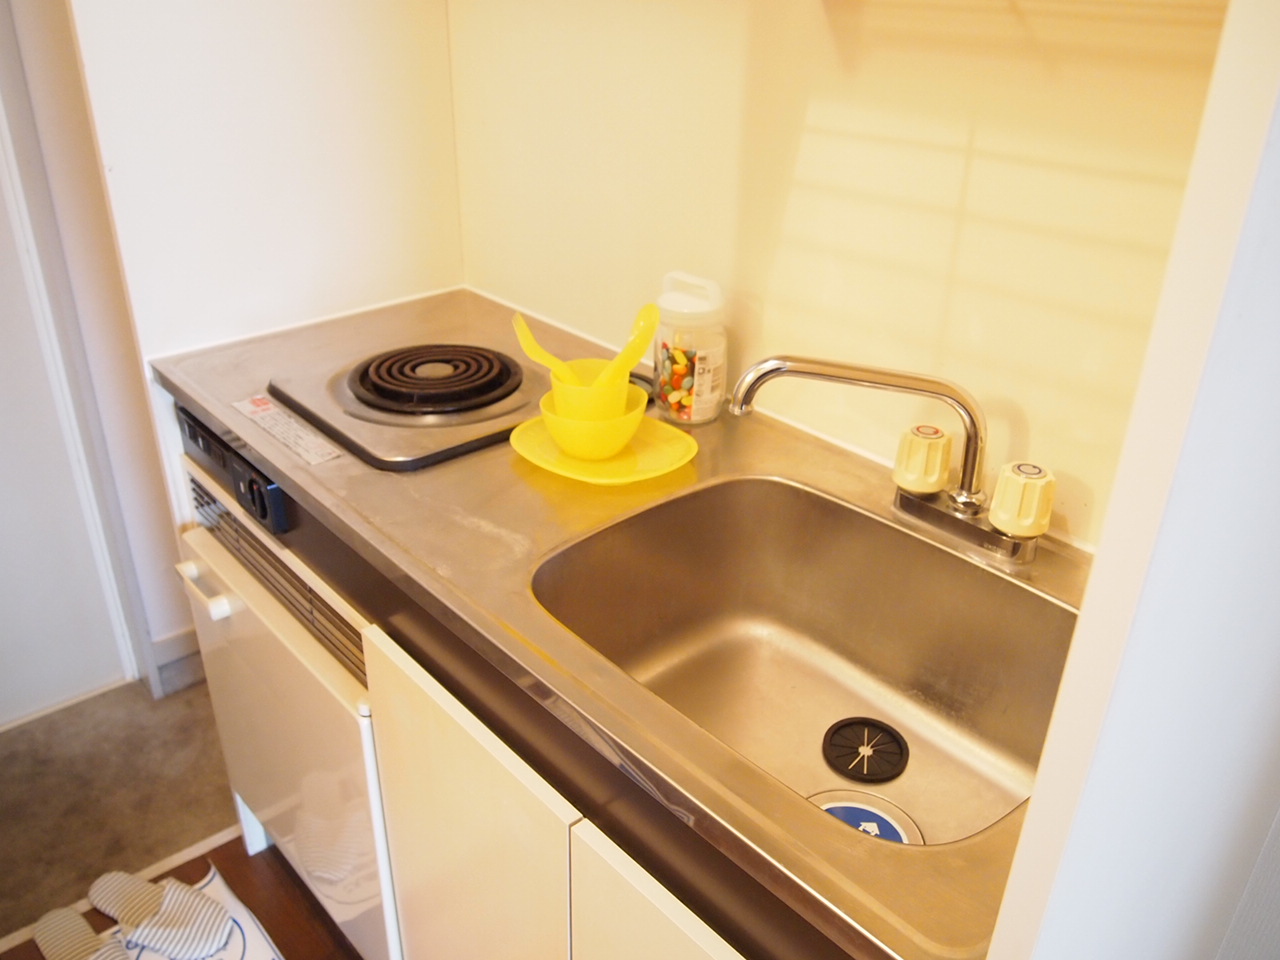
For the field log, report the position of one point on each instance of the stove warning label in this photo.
(288, 429)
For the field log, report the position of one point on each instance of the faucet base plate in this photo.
(936, 510)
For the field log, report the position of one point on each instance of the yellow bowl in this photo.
(594, 439)
(590, 401)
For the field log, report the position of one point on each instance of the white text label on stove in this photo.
(288, 429)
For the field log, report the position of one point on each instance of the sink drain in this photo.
(865, 750)
(869, 814)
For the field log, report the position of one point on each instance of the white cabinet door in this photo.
(288, 718)
(479, 842)
(620, 912)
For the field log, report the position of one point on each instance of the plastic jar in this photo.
(690, 349)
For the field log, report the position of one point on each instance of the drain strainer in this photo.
(865, 750)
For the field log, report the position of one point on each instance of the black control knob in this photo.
(262, 498)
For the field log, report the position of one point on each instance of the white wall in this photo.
(62, 636)
(599, 146)
(270, 163)
(986, 192)
(1160, 777)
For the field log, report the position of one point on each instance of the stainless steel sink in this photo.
(766, 612)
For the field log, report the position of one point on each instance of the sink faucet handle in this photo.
(923, 464)
(1023, 500)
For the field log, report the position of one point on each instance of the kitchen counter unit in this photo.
(442, 559)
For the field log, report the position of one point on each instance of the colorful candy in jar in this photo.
(676, 380)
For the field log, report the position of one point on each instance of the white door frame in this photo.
(24, 190)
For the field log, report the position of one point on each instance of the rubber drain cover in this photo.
(865, 750)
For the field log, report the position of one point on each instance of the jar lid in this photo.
(689, 299)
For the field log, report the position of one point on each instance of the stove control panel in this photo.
(253, 490)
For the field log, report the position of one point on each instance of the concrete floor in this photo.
(116, 782)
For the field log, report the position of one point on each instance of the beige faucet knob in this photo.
(1023, 500)
(923, 464)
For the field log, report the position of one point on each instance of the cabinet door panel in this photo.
(479, 842)
(621, 913)
(289, 724)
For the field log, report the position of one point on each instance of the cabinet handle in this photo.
(219, 606)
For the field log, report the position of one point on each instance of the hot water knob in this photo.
(923, 464)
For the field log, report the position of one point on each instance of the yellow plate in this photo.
(657, 448)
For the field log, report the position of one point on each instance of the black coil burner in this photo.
(435, 378)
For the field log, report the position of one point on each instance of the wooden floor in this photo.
(267, 885)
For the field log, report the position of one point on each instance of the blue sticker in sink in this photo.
(867, 819)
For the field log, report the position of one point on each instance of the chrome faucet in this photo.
(967, 497)
(960, 510)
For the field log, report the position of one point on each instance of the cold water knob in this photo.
(1023, 500)
(923, 464)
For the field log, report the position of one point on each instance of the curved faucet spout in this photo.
(967, 497)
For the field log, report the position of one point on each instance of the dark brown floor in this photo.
(267, 885)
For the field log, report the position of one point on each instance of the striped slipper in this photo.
(171, 918)
(63, 934)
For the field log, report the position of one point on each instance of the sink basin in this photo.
(767, 613)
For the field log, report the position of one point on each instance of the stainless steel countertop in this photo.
(467, 535)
